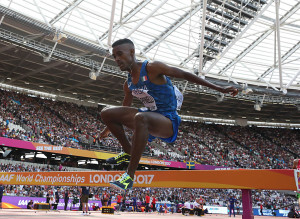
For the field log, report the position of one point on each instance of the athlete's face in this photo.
(124, 56)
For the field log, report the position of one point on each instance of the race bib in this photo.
(145, 98)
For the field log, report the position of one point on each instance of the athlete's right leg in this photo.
(117, 117)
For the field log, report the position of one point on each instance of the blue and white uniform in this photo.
(164, 99)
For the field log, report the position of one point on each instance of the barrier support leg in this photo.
(247, 204)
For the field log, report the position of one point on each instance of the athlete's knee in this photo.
(140, 119)
(106, 113)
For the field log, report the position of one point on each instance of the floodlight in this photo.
(284, 91)
(246, 89)
(60, 37)
(220, 97)
(93, 75)
(46, 59)
(257, 107)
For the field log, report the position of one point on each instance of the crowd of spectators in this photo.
(272, 155)
(70, 125)
(232, 146)
(288, 139)
(22, 167)
(42, 125)
(53, 122)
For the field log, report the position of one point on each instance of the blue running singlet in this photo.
(164, 99)
(157, 98)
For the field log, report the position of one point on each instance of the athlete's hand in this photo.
(231, 90)
(104, 133)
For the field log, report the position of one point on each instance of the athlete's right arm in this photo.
(128, 98)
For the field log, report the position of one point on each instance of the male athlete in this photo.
(150, 83)
(232, 202)
(296, 165)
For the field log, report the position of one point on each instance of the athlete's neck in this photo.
(134, 68)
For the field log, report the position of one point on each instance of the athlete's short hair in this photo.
(122, 41)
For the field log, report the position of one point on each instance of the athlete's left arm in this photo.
(159, 68)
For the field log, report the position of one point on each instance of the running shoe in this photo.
(122, 157)
(124, 182)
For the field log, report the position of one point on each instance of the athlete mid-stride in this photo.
(150, 83)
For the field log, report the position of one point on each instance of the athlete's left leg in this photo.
(146, 123)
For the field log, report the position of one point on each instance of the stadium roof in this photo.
(238, 47)
(171, 33)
